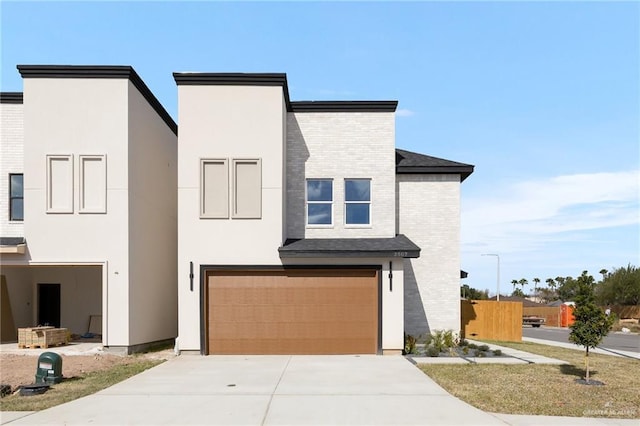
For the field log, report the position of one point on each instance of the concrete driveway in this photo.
(271, 390)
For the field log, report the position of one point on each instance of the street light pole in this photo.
(498, 278)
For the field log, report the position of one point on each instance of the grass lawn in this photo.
(546, 389)
(76, 387)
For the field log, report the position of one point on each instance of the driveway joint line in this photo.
(275, 389)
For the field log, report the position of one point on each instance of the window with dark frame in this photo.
(16, 197)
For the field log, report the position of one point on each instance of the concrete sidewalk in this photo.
(568, 345)
(71, 349)
(513, 356)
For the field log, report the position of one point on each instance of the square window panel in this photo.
(319, 190)
(319, 214)
(357, 190)
(358, 214)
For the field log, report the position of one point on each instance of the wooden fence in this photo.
(626, 311)
(551, 314)
(491, 320)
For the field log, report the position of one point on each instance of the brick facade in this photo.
(11, 161)
(340, 146)
(429, 214)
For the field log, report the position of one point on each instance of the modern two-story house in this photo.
(301, 227)
(88, 176)
(268, 226)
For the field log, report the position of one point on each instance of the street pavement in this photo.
(615, 341)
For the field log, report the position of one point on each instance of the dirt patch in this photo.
(16, 370)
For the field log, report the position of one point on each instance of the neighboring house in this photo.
(301, 227)
(88, 181)
(267, 226)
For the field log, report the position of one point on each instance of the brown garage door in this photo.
(319, 311)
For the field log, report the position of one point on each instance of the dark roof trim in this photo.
(100, 71)
(408, 162)
(11, 97)
(400, 246)
(344, 106)
(11, 241)
(12, 245)
(230, 79)
(234, 79)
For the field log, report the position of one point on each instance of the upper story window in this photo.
(357, 199)
(319, 202)
(16, 197)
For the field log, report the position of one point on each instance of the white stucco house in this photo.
(88, 176)
(265, 226)
(301, 227)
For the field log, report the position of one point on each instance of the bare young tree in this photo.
(591, 324)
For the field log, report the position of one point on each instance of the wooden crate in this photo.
(42, 337)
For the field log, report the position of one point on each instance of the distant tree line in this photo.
(473, 294)
(621, 286)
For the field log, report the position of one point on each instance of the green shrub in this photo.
(437, 340)
(433, 352)
(428, 339)
(483, 348)
(463, 342)
(444, 340)
(465, 350)
(473, 346)
(481, 354)
(497, 352)
(409, 344)
(450, 339)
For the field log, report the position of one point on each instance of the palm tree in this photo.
(536, 281)
(515, 283)
(604, 273)
(523, 282)
(552, 285)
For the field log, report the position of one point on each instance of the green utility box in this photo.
(49, 368)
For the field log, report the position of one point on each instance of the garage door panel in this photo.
(311, 311)
(233, 292)
(291, 346)
(289, 313)
(303, 330)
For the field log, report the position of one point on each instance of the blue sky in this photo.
(542, 97)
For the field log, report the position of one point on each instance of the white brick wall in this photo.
(11, 161)
(429, 214)
(341, 146)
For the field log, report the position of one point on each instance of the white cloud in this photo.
(523, 215)
(403, 112)
(551, 226)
